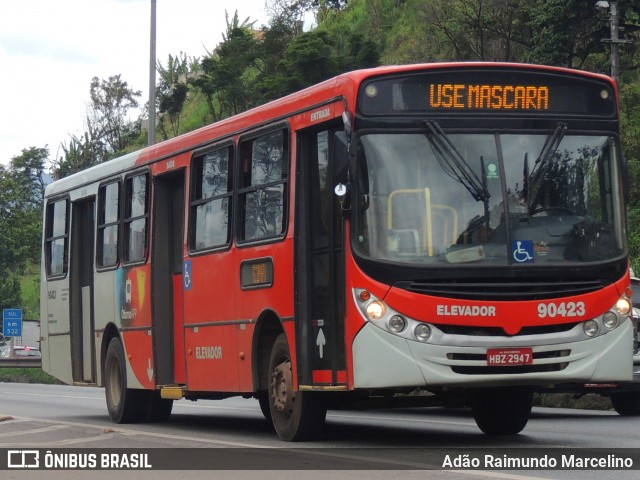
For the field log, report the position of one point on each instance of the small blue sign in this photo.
(522, 251)
(12, 322)
(187, 279)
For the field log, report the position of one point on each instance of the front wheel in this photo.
(626, 404)
(263, 401)
(295, 415)
(502, 411)
(125, 405)
(158, 408)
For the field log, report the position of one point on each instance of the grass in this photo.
(27, 375)
(30, 292)
(589, 401)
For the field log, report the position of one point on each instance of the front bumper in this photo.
(383, 360)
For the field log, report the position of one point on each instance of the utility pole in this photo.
(614, 40)
(615, 47)
(152, 77)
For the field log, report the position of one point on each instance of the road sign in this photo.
(12, 322)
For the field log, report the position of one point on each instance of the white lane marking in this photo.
(51, 395)
(59, 443)
(131, 432)
(35, 430)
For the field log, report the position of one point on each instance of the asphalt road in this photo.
(234, 435)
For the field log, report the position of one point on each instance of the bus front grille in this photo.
(502, 290)
(476, 331)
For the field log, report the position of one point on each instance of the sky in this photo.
(51, 49)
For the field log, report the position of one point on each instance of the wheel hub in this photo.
(282, 387)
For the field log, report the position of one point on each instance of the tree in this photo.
(294, 10)
(234, 59)
(565, 32)
(334, 4)
(108, 130)
(22, 186)
(10, 254)
(271, 50)
(111, 101)
(308, 59)
(490, 30)
(288, 13)
(229, 74)
(29, 169)
(81, 152)
(172, 91)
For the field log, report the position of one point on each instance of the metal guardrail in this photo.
(23, 362)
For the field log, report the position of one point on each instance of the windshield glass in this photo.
(438, 198)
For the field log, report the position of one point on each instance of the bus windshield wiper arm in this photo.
(454, 164)
(550, 147)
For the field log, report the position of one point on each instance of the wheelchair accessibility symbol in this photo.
(187, 275)
(522, 251)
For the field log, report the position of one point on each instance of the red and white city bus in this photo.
(437, 234)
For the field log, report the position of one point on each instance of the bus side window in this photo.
(265, 169)
(136, 218)
(211, 199)
(57, 238)
(108, 225)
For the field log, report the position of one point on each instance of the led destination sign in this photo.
(496, 97)
(488, 91)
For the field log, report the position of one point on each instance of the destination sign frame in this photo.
(488, 91)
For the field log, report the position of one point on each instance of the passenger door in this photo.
(320, 280)
(167, 277)
(81, 298)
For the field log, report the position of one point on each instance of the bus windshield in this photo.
(436, 198)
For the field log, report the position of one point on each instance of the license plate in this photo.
(508, 357)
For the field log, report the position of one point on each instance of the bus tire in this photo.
(502, 411)
(158, 408)
(295, 415)
(263, 401)
(125, 405)
(626, 404)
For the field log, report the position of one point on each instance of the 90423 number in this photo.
(562, 309)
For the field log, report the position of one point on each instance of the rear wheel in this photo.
(502, 411)
(125, 405)
(626, 403)
(295, 415)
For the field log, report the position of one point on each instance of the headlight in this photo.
(422, 332)
(623, 305)
(590, 328)
(376, 310)
(397, 323)
(383, 316)
(610, 320)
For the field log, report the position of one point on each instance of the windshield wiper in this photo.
(542, 163)
(454, 164)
